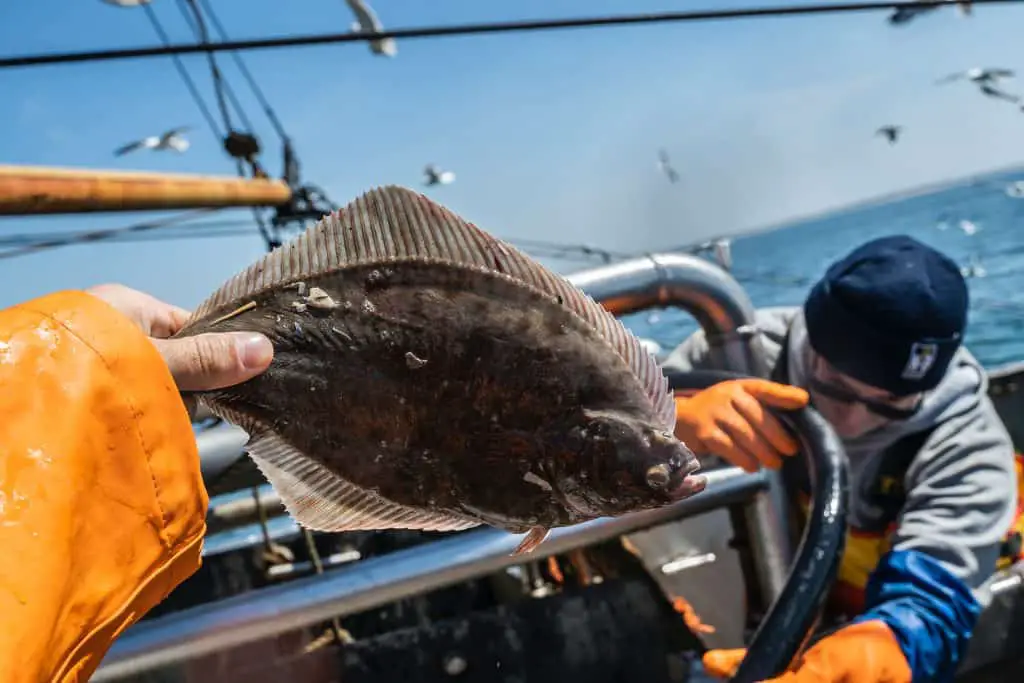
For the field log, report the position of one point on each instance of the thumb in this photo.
(215, 360)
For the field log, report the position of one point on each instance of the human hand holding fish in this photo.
(429, 376)
(209, 361)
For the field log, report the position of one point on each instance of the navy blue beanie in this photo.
(891, 314)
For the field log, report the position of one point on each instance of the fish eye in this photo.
(658, 476)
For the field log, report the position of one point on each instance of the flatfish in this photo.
(430, 376)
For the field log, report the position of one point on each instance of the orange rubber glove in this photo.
(731, 419)
(865, 652)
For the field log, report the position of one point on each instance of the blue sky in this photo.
(553, 135)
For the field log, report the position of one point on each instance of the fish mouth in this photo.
(689, 486)
(690, 463)
(685, 464)
(674, 477)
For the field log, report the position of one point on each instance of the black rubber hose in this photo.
(788, 624)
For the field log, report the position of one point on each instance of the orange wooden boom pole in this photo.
(35, 190)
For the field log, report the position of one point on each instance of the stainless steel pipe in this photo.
(381, 580)
(704, 290)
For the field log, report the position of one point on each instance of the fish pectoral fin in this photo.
(321, 500)
(534, 537)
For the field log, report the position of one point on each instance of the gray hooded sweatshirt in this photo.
(961, 493)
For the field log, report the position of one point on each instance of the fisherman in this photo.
(102, 506)
(877, 350)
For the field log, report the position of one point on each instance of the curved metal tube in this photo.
(787, 625)
(704, 290)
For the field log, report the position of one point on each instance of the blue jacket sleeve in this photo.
(961, 500)
(931, 612)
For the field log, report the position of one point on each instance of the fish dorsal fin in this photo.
(320, 500)
(394, 224)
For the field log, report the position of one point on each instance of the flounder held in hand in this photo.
(429, 376)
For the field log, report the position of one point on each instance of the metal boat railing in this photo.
(705, 291)
(377, 581)
(725, 313)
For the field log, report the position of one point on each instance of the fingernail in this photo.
(255, 350)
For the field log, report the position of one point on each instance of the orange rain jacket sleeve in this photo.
(102, 507)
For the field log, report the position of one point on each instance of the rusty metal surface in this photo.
(38, 190)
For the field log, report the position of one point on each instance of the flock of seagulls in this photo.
(987, 81)
(366, 21)
(173, 140)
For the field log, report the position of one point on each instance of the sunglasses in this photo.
(886, 410)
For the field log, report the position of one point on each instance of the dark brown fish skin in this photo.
(442, 387)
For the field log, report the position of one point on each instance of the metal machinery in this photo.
(595, 602)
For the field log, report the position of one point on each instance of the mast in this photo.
(38, 190)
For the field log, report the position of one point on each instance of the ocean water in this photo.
(977, 223)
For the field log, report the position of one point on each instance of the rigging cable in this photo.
(199, 29)
(173, 228)
(216, 228)
(476, 29)
(194, 18)
(183, 72)
(239, 146)
(100, 235)
(246, 74)
(308, 201)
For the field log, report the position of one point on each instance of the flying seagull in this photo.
(892, 133)
(171, 139)
(435, 176)
(978, 75)
(902, 15)
(665, 164)
(986, 80)
(367, 22)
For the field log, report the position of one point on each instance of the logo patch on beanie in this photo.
(922, 358)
